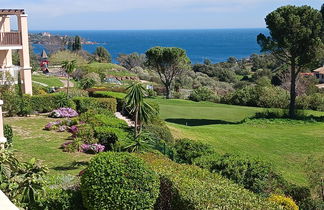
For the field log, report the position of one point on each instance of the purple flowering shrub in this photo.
(92, 148)
(63, 112)
(52, 125)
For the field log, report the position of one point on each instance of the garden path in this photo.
(129, 122)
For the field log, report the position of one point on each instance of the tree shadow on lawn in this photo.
(198, 122)
(74, 165)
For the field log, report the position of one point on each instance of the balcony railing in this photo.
(10, 38)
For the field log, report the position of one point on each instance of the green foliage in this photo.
(22, 182)
(314, 102)
(221, 71)
(263, 96)
(159, 130)
(203, 94)
(109, 136)
(102, 55)
(77, 46)
(75, 92)
(105, 68)
(108, 94)
(86, 83)
(8, 134)
(169, 63)
(189, 187)
(61, 199)
(314, 169)
(252, 173)
(58, 57)
(136, 106)
(49, 102)
(83, 104)
(119, 181)
(295, 38)
(187, 150)
(132, 60)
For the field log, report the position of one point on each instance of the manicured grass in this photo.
(284, 143)
(51, 81)
(30, 140)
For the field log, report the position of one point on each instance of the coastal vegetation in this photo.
(157, 132)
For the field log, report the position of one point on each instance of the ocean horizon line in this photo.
(197, 29)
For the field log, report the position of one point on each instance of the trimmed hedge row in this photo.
(84, 104)
(190, 187)
(49, 102)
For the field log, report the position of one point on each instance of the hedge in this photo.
(111, 138)
(49, 102)
(7, 130)
(84, 104)
(108, 94)
(252, 173)
(119, 181)
(61, 199)
(190, 187)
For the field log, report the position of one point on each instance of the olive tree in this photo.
(295, 39)
(169, 63)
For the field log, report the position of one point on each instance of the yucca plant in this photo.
(137, 107)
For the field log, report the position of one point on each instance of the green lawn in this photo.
(51, 81)
(30, 140)
(286, 145)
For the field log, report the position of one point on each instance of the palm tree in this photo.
(69, 67)
(136, 106)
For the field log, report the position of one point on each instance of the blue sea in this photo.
(214, 44)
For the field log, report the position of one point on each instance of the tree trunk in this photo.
(68, 85)
(292, 105)
(168, 91)
(136, 122)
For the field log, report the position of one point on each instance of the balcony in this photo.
(10, 40)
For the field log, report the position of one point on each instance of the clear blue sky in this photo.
(148, 14)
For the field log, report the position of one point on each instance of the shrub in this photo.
(84, 104)
(49, 102)
(202, 94)
(86, 83)
(108, 136)
(11, 103)
(61, 199)
(107, 121)
(74, 92)
(254, 174)
(159, 130)
(187, 150)
(119, 181)
(7, 130)
(190, 187)
(285, 202)
(273, 97)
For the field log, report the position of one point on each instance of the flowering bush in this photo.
(52, 125)
(92, 148)
(74, 130)
(63, 112)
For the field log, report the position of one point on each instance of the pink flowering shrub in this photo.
(63, 112)
(92, 148)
